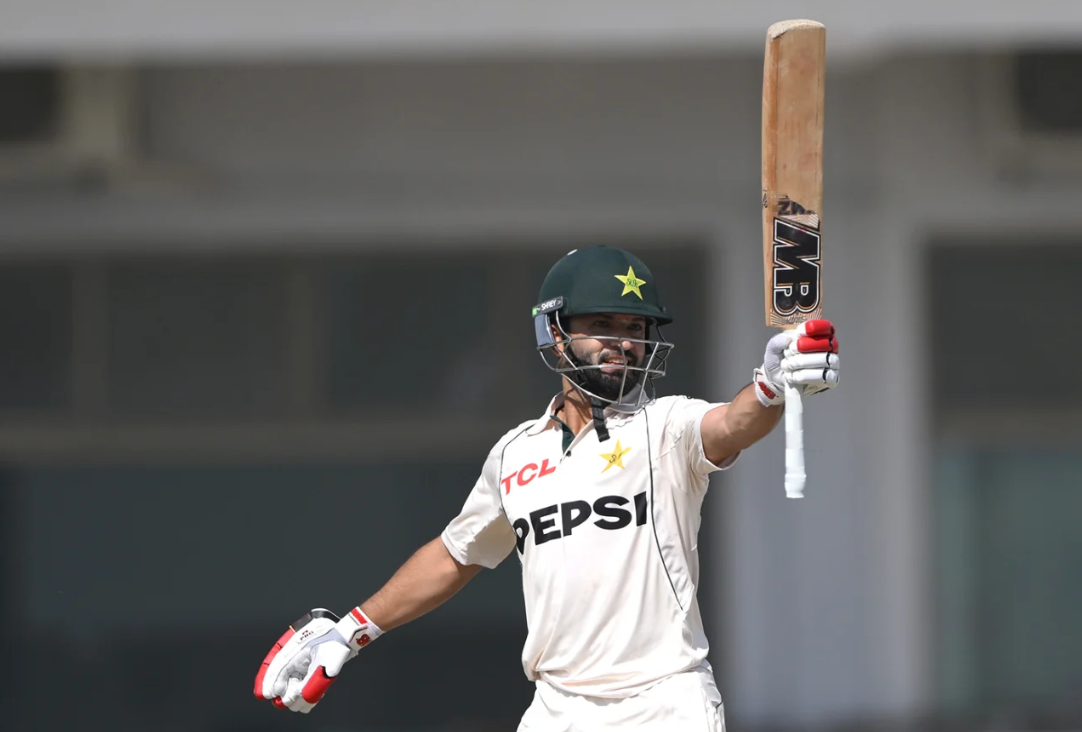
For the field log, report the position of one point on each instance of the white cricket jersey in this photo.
(607, 537)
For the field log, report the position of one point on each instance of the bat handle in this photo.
(794, 443)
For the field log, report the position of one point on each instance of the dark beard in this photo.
(606, 386)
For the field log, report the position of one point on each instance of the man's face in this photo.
(608, 340)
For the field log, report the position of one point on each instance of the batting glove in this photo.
(306, 660)
(805, 357)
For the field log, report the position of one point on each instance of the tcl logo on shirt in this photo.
(560, 520)
(525, 474)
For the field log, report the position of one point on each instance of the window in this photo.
(32, 102)
(409, 331)
(1008, 588)
(1044, 84)
(189, 338)
(998, 314)
(36, 337)
(1007, 476)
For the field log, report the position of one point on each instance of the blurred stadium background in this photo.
(265, 270)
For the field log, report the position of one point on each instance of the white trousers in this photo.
(686, 702)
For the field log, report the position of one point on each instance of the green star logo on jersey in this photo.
(616, 457)
(631, 283)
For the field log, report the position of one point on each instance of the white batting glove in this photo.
(805, 357)
(306, 660)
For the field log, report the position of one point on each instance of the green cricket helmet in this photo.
(601, 279)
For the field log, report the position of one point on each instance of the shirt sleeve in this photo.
(481, 533)
(683, 432)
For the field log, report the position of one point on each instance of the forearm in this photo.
(736, 426)
(747, 420)
(428, 579)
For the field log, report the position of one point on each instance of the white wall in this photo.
(202, 28)
(826, 599)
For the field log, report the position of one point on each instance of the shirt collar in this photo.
(616, 412)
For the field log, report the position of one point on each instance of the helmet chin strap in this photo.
(599, 419)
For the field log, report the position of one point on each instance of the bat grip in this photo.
(794, 443)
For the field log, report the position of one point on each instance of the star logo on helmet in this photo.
(631, 283)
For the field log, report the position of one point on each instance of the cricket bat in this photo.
(793, 92)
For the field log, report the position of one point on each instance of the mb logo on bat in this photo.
(796, 259)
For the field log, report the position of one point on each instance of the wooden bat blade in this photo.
(794, 74)
(793, 94)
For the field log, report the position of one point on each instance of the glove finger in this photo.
(799, 361)
(297, 702)
(292, 692)
(316, 685)
(301, 706)
(812, 344)
(817, 328)
(822, 377)
(296, 668)
(261, 691)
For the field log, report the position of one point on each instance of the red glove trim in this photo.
(267, 662)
